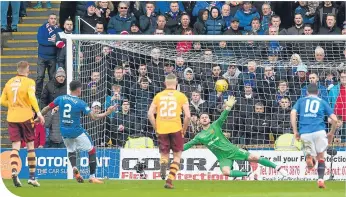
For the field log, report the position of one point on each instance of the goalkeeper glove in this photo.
(230, 102)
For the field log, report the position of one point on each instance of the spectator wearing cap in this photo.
(90, 19)
(188, 83)
(173, 16)
(298, 27)
(61, 43)
(215, 25)
(147, 22)
(267, 14)
(299, 80)
(200, 5)
(234, 28)
(54, 88)
(322, 90)
(135, 28)
(331, 27)
(122, 21)
(246, 14)
(199, 26)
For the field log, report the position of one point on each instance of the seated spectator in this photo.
(255, 27)
(322, 91)
(147, 22)
(162, 25)
(15, 7)
(223, 50)
(308, 30)
(246, 102)
(331, 26)
(307, 10)
(298, 27)
(234, 28)
(258, 126)
(61, 43)
(299, 80)
(215, 25)
(290, 70)
(267, 86)
(114, 100)
(199, 26)
(180, 67)
(275, 21)
(184, 24)
(283, 91)
(274, 61)
(91, 17)
(135, 28)
(267, 14)
(100, 28)
(189, 83)
(106, 8)
(122, 125)
(53, 125)
(122, 80)
(326, 8)
(246, 14)
(122, 21)
(198, 105)
(205, 5)
(141, 97)
(54, 88)
(173, 16)
(232, 76)
(249, 76)
(226, 15)
(281, 119)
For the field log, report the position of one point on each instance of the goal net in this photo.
(267, 74)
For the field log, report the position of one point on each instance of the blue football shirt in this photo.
(311, 111)
(70, 109)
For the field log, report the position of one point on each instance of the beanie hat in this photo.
(60, 72)
(90, 3)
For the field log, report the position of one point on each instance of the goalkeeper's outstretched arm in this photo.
(229, 105)
(191, 143)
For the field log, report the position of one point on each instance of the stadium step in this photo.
(24, 35)
(34, 19)
(16, 58)
(42, 12)
(20, 51)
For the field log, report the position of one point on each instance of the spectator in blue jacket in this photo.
(122, 21)
(173, 17)
(303, 9)
(226, 14)
(245, 15)
(322, 90)
(267, 14)
(47, 51)
(147, 22)
(161, 7)
(215, 25)
(255, 27)
(205, 5)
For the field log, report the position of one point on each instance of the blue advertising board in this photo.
(54, 163)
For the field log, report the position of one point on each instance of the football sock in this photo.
(321, 168)
(32, 163)
(72, 158)
(92, 161)
(173, 169)
(14, 157)
(163, 161)
(266, 162)
(237, 173)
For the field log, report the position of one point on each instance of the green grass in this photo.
(70, 188)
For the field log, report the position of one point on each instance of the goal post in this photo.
(262, 71)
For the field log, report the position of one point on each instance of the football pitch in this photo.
(70, 188)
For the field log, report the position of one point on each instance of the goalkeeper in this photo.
(212, 137)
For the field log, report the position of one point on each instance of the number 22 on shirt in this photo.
(168, 109)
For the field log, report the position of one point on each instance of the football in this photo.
(221, 85)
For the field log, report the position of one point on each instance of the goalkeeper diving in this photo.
(212, 137)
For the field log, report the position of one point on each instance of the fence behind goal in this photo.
(267, 74)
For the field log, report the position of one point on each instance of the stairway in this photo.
(22, 45)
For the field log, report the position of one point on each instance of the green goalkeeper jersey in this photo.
(214, 139)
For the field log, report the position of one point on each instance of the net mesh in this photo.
(267, 77)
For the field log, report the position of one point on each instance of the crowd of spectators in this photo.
(266, 77)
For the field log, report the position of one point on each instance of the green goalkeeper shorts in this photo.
(240, 154)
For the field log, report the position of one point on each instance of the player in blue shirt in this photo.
(312, 129)
(74, 135)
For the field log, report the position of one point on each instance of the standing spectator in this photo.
(226, 15)
(15, 6)
(141, 97)
(322, 91)
(258, 126)
(267, 86)
(198, 105)
(331, 27)
(281, 120)
(298, 27)
(205, 5)
(54, 88)
(180, 67)
(255, 27)
(184, 24)
(122, 21)
(232, 76)
(337, 96)
(199, 26)
(61, 43)
(249, 76)
(100, 29)
(189, 83)
(215, 25)
(106, 9)
(246, 14)
(209, 84)
(307, 10)
(234, 28)
(299, 80)
(155, 66)
(147, 22)
(321, 13)
(267, 14)
(81, 8)
(22, 10)
(39, 5)
(161, 25)
(319, 65)
(122, 80)
(90, 19)
(143, 73)
(68, 10)
(53, 125)
(115, 99)
(173, 16)
(47, 52)
(162, 7)
(185, 46)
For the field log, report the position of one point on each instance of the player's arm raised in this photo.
(95, 116)
(191, 143)
(229, 105)
(151, 115)
(187, 117)
(34, 103)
